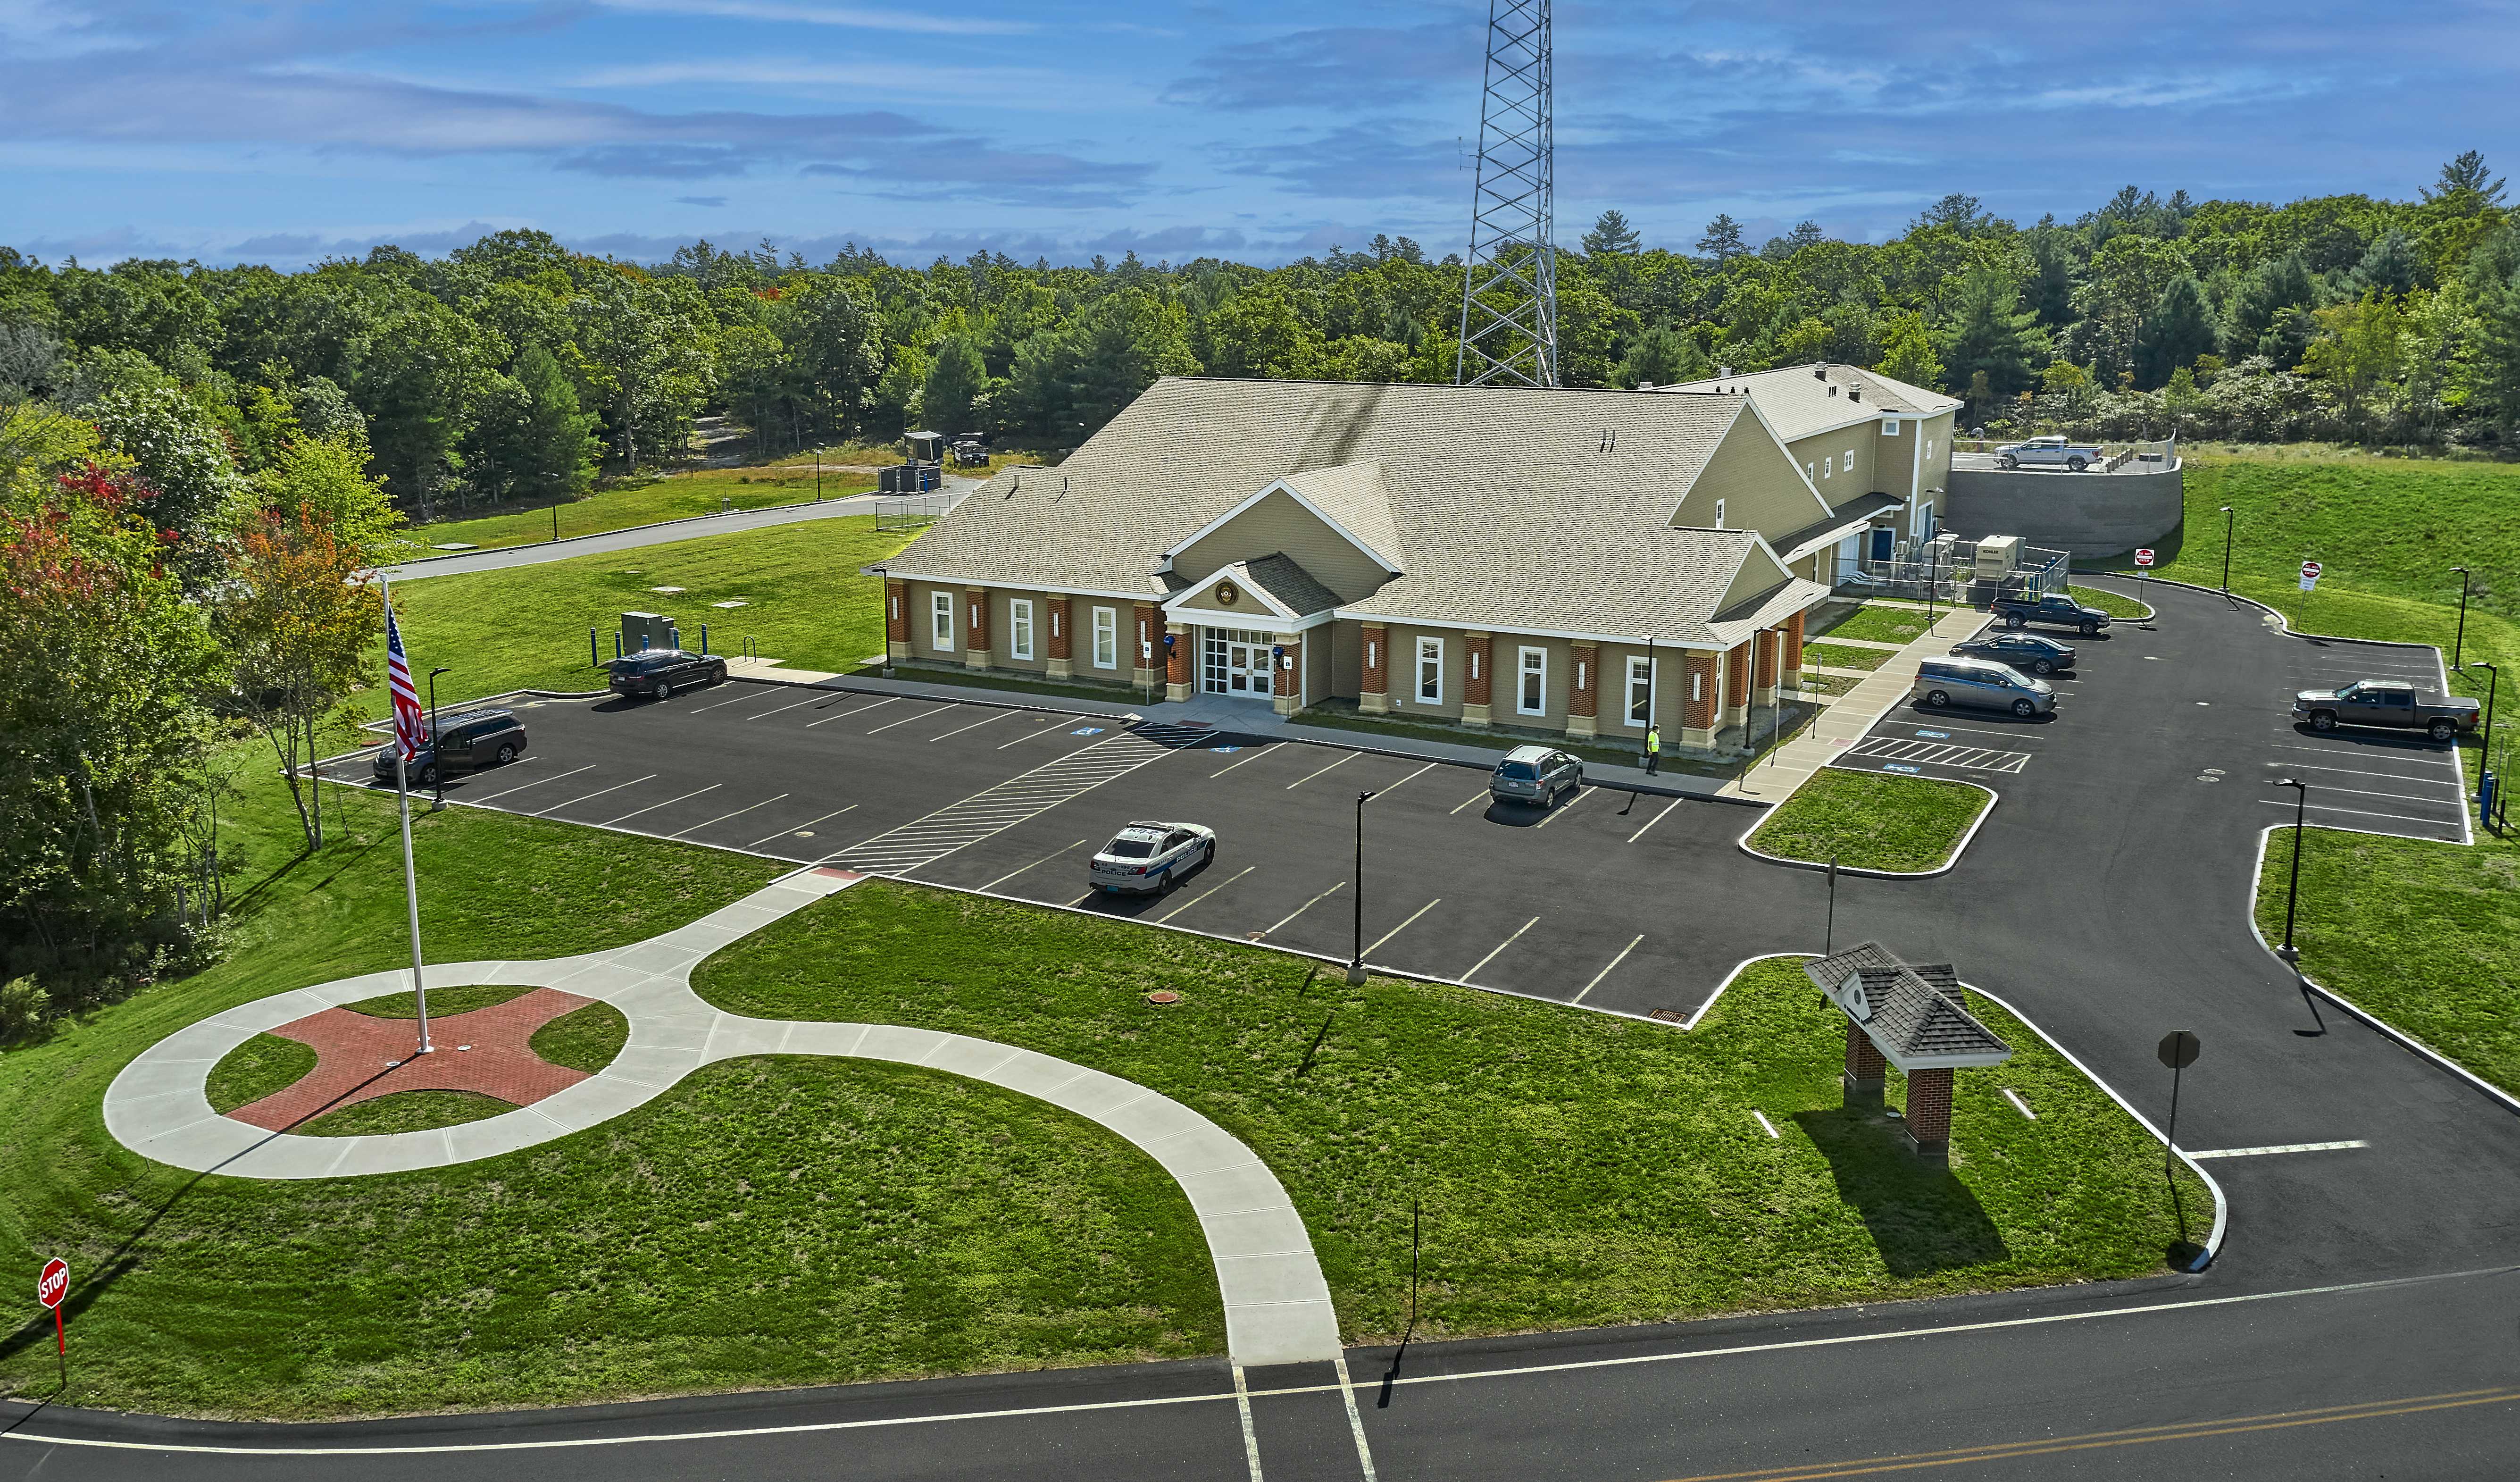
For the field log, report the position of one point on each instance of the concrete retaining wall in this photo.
(2086, 514)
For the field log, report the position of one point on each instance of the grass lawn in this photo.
(1882, 624)
(1872, 821)
(525, 627)
(583, 1039)
(2371, 905)
(1840, 657)
(2113, 604)
(264, 1065)
(1573, 1168)
(639, 502)
(403, 1111)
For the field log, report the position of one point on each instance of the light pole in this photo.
(2292, 893)
(2228, 517)
(1356, 961)
(2458, 645)
(436, 750)
(2485, 768)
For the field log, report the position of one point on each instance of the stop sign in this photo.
(54, 1284)
(2143, 557)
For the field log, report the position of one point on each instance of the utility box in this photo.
(646, 630)
(926, 447)
(1997, 555)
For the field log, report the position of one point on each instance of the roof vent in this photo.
(1832, 391)
(1854, 393)
(1645, 385)
(1819, 371)
(1724, 373)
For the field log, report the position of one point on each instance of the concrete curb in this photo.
(1959, 848)
(2257, 878)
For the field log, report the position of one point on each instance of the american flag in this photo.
(406, 699)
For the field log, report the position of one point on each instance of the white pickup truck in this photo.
(2052, 451)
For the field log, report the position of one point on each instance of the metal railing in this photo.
(1948, 570)
(916, 513)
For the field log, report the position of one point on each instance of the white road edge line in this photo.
(1499, 947)
(1020, 739)
(2259, 1152)
(906, 719)
(1472, 798)
(815, 1427)
(766, 714)
(1554, 814)
(975, 725)
(845, 715)
(1204, 894)
(1256, 753)
(521, 787)
(767, 837)
(1614, 961)
(1309, 775)
(598, 793)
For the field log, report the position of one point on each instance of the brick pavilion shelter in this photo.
(1916, 1017)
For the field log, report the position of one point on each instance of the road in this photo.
(2106, 896)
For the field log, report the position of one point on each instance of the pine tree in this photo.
(533, 442)
(1722, 238)
(2179, 328)
(956, 380)
(1662, 356)
(1611, 233)
(1991, 335)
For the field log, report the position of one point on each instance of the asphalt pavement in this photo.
(2106, 896)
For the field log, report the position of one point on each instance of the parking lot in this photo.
(1602, 900)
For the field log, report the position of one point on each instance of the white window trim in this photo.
(1525, 671)
(1020, 627)
(1106, 637)
(1889, 427)
(940, 621)
(1639, 689)
(1427, 649)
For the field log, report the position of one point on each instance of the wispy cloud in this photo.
(1348, 68)
(855, 17)
(708, 201)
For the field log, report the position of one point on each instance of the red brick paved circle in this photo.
(353, 1050)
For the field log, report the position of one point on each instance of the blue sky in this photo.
(283, 132)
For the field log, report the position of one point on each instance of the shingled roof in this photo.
(1799, 404)
(1518, 509)
(1918, 1016)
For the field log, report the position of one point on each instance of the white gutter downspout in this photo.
(1916, 475)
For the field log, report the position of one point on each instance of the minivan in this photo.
(1945, 682)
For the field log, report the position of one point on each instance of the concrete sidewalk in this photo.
(1277, 1303)
(1842, 722)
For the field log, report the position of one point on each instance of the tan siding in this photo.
(1403, 677)
(1559, 682)
(1347, 656)
(1275, 524)
(1247, 609)
(922, 624)
(1755, 482)
(1757, 573)
(1002, 630)
(1671, 683)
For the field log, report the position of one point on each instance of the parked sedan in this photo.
(474, 739)
(1534, 774)
(1150, 856)
(2029, 652)
(662, 671)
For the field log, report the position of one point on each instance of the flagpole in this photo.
(410, 876)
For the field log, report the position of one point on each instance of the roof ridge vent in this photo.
(1819, 371)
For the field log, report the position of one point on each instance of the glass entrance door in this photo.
(1236, 663)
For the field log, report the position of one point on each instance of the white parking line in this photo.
(782, 710)
(1256, 753)
(1420, 772)
(2259, 1152)
(807, 824)
(975, 725)
(1035, 865)
(652, 807)
(1499, 947)
(1649, 822)
(734, 701)
(2395, 776)
(1204, 894)
(1614, 961)
(1482, 793)
(906, 719)
(1554, 814)
(1300, 910)
(1309, 775)
(1020, 739)
(2404, 818)
(2404, 797)
(1403, 925)
(521, 787)
(615, 788)
(723, 817)
(845, 715)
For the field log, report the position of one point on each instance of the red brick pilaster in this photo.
(1584, 692)
(1737, 679)
(1865, 1067)
(1765, 646)
(1179, 666)
(896, 618)
(1373, 681)
(1287, 675)
(1929, 1114)
(1794, 642)
(1057, 612)
(1481, 676)
(1701, 681)
(975, 627)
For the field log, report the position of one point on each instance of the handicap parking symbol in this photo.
(1086, 730)
(1895, 767)
(1225, 748)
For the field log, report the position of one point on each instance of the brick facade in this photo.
(896, 619)
(1866, 1068)
(1286, 674)
(1929, 1114)
(1374, 688)
(1478, 677)
(1736, 686)
(1584, 691)
(1147, 628)
(975, 627)
(1793, 651)
(1701, 683)
(1057, 614)
(1180, 666)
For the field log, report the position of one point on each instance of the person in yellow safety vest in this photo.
(1653, 750)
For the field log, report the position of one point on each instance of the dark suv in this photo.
(2029, 652)
(474, 739)
(662, 671)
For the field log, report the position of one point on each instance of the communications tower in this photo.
(1509, 295)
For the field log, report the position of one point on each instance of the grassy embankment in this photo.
(1869, 820)
(644, 502)
(2386, 532)
(793, 1220)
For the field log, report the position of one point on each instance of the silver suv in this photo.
(1534, 774)
(1149, 855)
(1945, 682)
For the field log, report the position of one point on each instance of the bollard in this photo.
(616, 646)
(705, 641)
(594, 655)
(2488, 788)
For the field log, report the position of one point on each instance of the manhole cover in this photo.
(1163, 995)
(1669, 1015)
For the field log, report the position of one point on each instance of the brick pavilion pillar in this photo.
(1286, 674)
(1866, 1069)
(1144, 639)
(1765, 647)
(1478, 681)
(975, 632)
(1793, 653)
(1929, 1115)
(1374, 681)
(1057, 613)
(896, 620)
(1584, 692)
(1180, 666)
(1700, 696)
(1736, 686)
